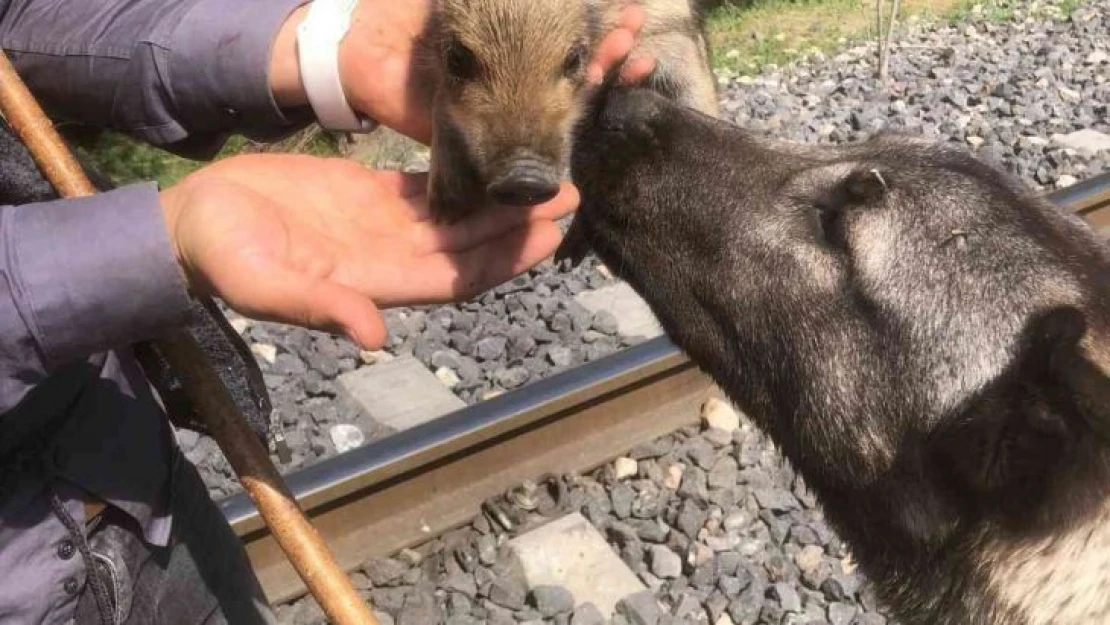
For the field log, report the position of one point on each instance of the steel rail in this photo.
(409, 487)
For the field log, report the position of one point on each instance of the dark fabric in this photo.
(203, 576)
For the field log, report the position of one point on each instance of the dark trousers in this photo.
(202, 576)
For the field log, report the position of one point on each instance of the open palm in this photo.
(326, 247)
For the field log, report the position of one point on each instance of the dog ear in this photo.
(842, 185)
(1005, 446)
(864, 186)
(1078, 380)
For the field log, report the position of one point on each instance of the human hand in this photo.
(323, 243)
(383, 77)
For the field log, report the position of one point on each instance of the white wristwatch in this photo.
(318, 38)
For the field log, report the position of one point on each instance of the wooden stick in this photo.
(879, 35)
(885, 62)
(297, 537)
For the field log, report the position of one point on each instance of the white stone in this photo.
(727, 542)
(624, 468)
(634, 317)
(401, 393)
(699, 554)
(265, 352)
(491, 393)
(809, 557)
(674, 476)
(369, 357)
(974, 141)
(1069, 94)
(736, 521)
(1096, 57)
(1085, 140)
(725, 619)
(448, 377)
(1065, 181)
(718, 413)
(570, 552)
(346, 437)
(240, 324)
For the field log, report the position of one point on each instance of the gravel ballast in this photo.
(712, 520)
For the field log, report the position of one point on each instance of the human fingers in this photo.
(616, 45)
(273, 292)
(490, 223)
(636, 69)
(442, 277)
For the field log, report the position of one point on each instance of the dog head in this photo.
(512, 73)
(916, 331)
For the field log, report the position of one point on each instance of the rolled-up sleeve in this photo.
(181, 74)
(81, 276)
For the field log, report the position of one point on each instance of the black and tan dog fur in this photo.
(926, 339)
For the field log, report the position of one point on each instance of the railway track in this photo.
(416, 484)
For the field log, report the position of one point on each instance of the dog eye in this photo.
(575, 61)
(461, 62)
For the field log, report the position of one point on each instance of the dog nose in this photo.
(525, 184)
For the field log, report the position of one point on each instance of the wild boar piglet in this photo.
(511, 85)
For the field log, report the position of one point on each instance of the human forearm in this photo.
(182, 75)
(84, 275)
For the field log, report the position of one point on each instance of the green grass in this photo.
(748, 38)
(126, 160)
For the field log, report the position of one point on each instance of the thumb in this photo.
(286, 296)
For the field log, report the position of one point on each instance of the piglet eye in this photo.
(575, 61)
(461, 62)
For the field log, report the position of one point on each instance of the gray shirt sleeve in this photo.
(180, 74)
(81, 276)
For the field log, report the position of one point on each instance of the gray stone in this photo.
(463, 583)
(587, 614)
(691, 519)
(1087, 140)
(384, 571)
(787, 597)
(841, 613)
(640, 609)
(551, 600)
(570, 552)
(621, 497)
(776, 500)
(400, 394)
(508, 592)
(665, 563)
(633, 315)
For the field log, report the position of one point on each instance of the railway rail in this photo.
(409, 487)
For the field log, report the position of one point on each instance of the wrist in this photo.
(173, 202)
(285, 71)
